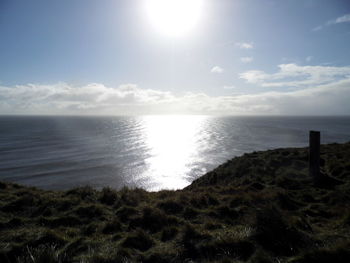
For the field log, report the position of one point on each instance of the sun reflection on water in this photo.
(172, 144)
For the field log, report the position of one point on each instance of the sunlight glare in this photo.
(174, 17)
(172, 141)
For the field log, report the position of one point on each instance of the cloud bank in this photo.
(331, 98)
(293, 75)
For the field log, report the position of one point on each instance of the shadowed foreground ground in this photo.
(260, 207)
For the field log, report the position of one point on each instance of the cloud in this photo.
(63, 98)
(317, 28)
(217, 69)
(129, 99)
(309, 58)
(329, 99)
(293, 75)
(247, 59)
(229, 87)
(318, 90)
(245, 45)
(342, 19)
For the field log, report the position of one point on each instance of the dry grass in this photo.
(260, 207)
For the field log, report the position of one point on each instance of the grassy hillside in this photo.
(260, 207)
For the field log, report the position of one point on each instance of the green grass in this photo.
(260, 207)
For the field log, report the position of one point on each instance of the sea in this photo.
(150, 152)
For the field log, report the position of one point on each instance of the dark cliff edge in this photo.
(260, 207)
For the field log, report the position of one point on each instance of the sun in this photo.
(174, 17)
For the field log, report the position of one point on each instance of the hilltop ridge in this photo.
(259, 207)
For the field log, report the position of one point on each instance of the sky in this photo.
(132, 57)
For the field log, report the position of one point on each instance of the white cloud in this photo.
(129, 99)
(217, 69)
(292, 75)
(317, 28)
(247, 59)
(245, 45)
(229, 87)
(329, 99)
(309, 58)
(342, 19)
(63, 98)
(321, 91)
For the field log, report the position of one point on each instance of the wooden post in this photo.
(314, 156)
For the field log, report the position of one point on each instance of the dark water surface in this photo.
(152, 152)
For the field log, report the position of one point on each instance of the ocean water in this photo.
(152, 152)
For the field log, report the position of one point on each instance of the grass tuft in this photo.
(43, 254)
(108, 196)
(139, 240)
(275, 234)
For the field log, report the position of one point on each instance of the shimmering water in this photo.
(153, 152)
